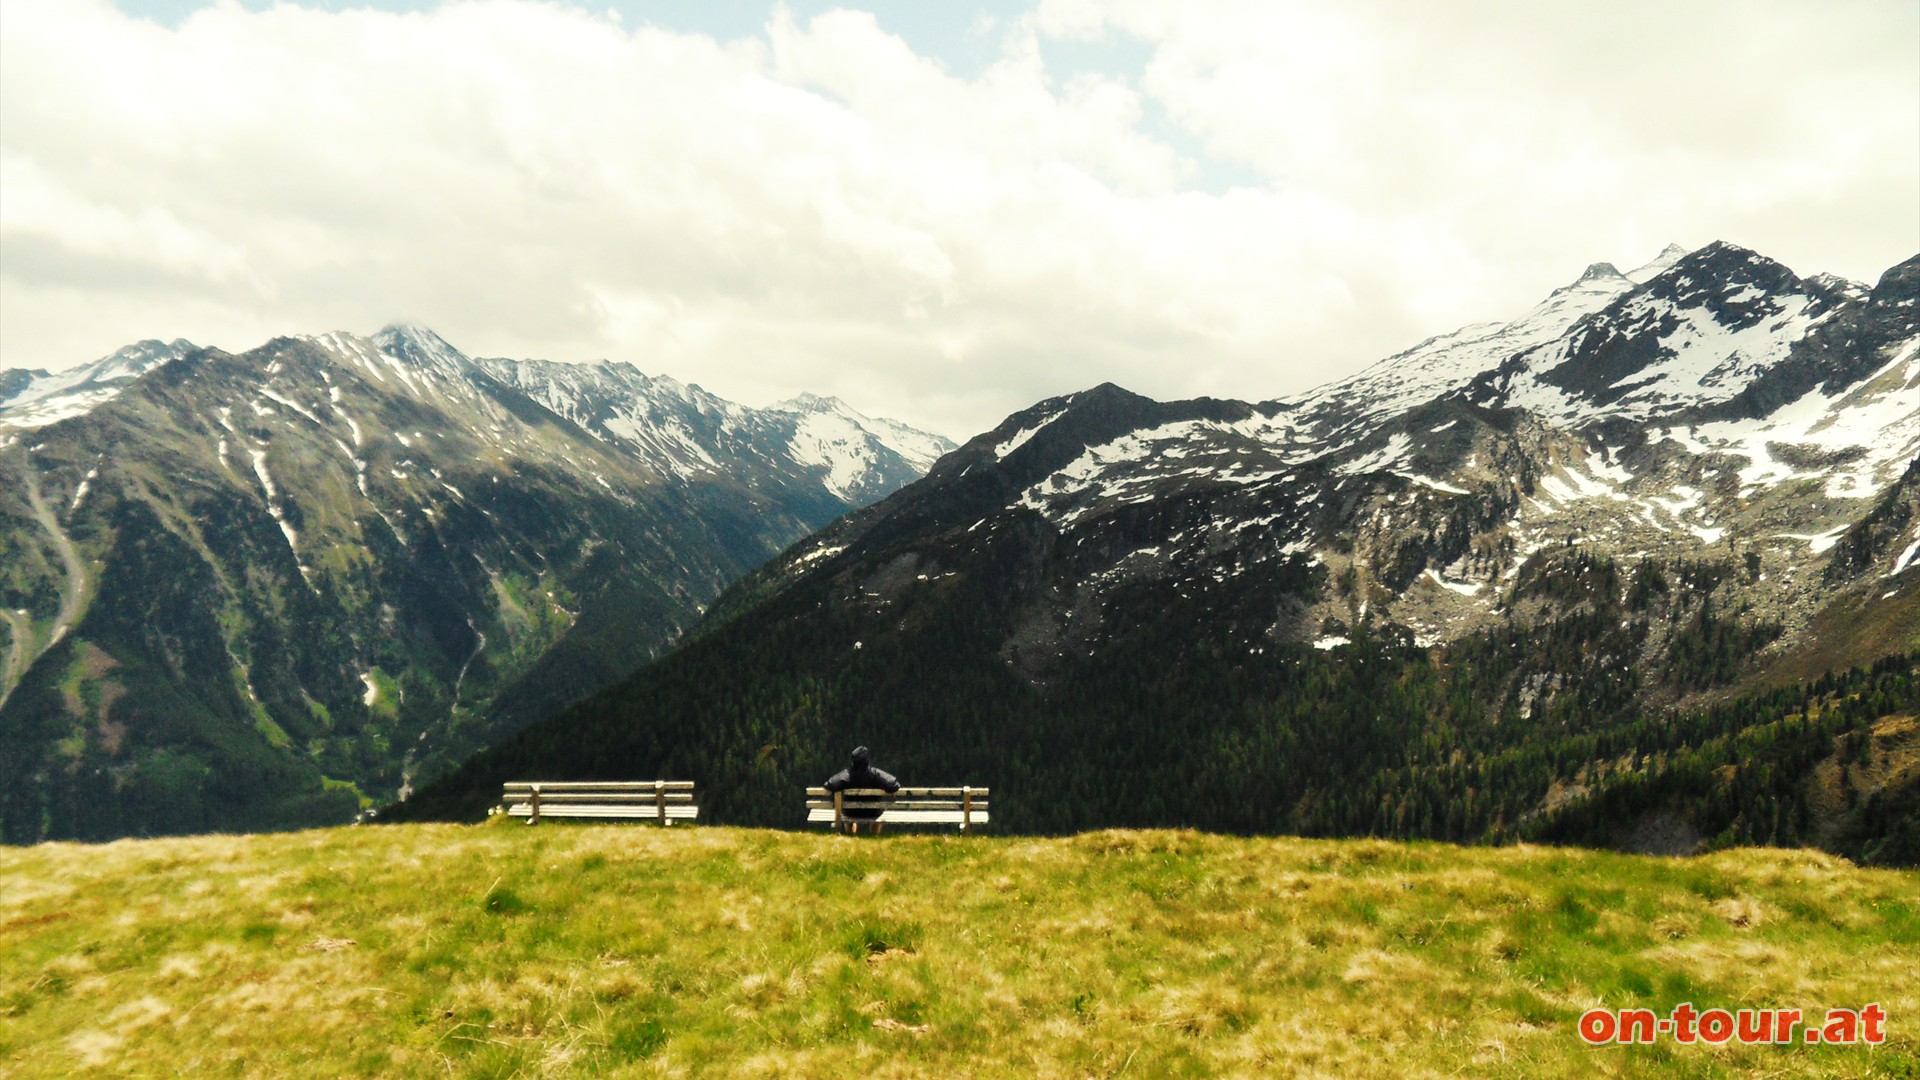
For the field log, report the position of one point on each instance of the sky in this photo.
(941, 212)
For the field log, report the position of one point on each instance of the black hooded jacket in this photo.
(862, 775)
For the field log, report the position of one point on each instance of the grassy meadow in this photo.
(575, 950)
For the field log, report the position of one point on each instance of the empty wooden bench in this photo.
(962, 806)
(662, 801)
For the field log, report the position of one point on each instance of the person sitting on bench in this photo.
(859, 776)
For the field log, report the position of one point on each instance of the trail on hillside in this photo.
(73, 594)
(480, 642)
(18, 646)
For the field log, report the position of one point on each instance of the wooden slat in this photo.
(918, 804)
(643, 813)
(634, 798)
(945, 817)
(952, 792)
(964, 806)
(547, 786)
(556, 808)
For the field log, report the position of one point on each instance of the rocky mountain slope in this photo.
(1441, 581)
(253, 590)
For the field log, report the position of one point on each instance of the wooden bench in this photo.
(962, 806)
(663, 801)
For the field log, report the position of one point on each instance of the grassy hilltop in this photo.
(498, 950)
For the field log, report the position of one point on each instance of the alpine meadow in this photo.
(1011, 538)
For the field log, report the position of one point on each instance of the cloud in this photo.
(820, 207)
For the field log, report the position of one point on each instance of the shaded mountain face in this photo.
(1475, 567)
(262, 590)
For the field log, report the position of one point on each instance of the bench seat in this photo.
(964, 806)
(639, 813)
(661, 801)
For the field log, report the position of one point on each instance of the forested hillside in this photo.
(1188, 721)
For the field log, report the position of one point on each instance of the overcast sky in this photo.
(938, 211)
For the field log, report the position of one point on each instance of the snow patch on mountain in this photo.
(919, 449)
(1877, 421)
(835, 444)
(1019, 438)
(1906, 559)
(848, 445)
(1380, 460)
(1703, 361)
(80, 493)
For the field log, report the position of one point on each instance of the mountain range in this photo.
(1650, 547)
(269, 589)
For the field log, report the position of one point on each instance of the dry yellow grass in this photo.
(504, 951)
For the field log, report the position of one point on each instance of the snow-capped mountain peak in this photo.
(1723, 427)
(807, 403)
(423, 348)
(688, 432)
(677, 428)
(1658, 265)
(1694, 335)
(1448, 362)
(851, 448)
(43, 398)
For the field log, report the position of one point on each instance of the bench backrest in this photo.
(663, 801)
(964, 806)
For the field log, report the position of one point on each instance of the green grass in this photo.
(504, 951)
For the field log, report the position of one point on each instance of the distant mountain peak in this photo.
(805, 402)
(1600, 270)
(407, 329)
(1728, 269)
(419, 345)
(1834, 283)
(1658, 265)
(15, 380)
(43, 398)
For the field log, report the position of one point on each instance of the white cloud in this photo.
(821, 208)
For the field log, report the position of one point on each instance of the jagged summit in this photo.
(418, 345)
(812, 442)
(1450, 362)
(809, 402)
(1723, 263)
(1659, 264)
